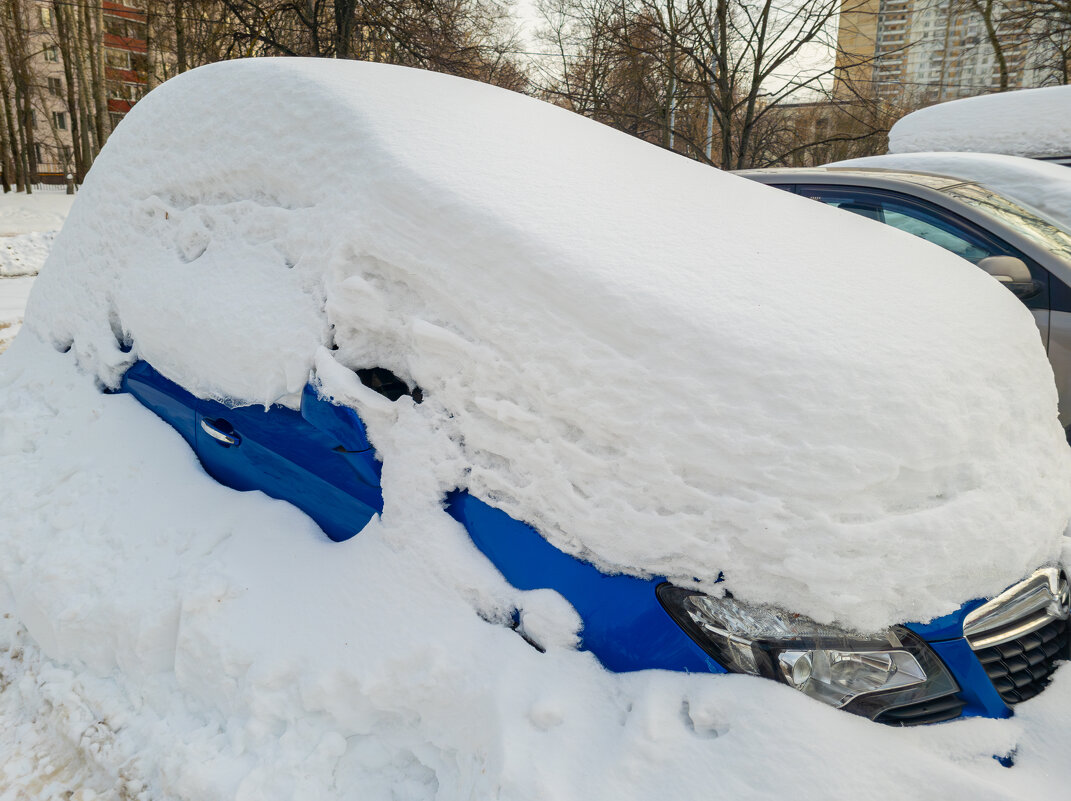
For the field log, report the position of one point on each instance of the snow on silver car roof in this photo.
(1040, 185)
(1027, 122)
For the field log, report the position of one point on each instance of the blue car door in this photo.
(332, 475)
(164, 397)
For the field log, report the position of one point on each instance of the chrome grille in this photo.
(1020, 635)
(1021, 668)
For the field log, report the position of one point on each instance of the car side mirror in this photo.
(1013, 273)
(1006, 269)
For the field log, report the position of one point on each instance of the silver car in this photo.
(1027, 252)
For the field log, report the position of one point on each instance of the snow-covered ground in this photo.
(28, 225)
(24, 254)
(13, 295)
(42, 211)
(656, 391)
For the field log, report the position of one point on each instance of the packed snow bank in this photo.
(28, 224)
(163, 637)
(23, 254)
(618, 343)
(13, 295)
(1027, 122)
(1040, 185)
(44, 210)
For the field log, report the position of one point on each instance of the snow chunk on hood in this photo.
(668, 370)
(1028, 122)
(1041, 185)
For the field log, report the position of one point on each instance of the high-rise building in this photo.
(926, 51)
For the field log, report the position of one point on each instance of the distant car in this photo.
(1041, 185)
(1024, 122)
(1023, 250)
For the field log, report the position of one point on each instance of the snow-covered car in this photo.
(320, 459)
(728, 448)
(1023, 249)
(1028, 122)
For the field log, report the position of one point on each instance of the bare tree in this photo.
(1046, 25)
(10, 137)
(992, 13)
(706, 75)
(19, 102)
(462, 37)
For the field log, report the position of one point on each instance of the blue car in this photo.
(979, 661)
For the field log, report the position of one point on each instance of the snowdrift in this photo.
(1040, 185)
(666, 369)
(1028, 122)
(24, 254)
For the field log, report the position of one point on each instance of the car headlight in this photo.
(862, 674)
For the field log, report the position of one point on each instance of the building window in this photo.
(116, 26)
(38, 153)
(55, 87)
(59, 119)
(33, 118)
(51, 53)
(67, 153)
(120, 91)
(46, 17)
(117, 59)
(115, 118)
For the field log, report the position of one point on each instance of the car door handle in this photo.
(209, 427)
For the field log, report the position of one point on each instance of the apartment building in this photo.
(125, 56)
(123, 42)
(927, 51)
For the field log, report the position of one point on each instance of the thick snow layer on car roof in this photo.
(668, 370)
(1027, 122)
(1041, 185)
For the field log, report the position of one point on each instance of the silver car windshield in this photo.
(1027, 222)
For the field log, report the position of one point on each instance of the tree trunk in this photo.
(90, 147)
(150, 58)
(11, 148)
(94, 41)
(181, 64)
(987, 12)
(345, 17)
(65, 36)
(22, 110)
(30, 151)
